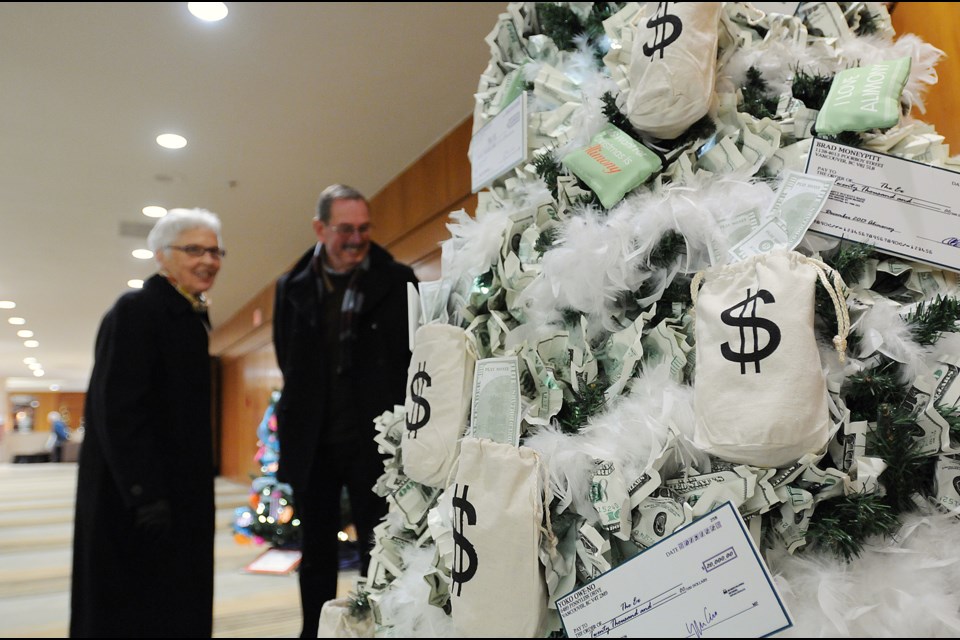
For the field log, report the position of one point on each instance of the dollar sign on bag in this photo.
(659, 25)
(421, 411)
(752, 321)
(462, 546)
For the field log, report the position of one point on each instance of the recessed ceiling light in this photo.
(7, 304)
(135, 283)
(38, 373)
(209, 11)
(171, 141)
(142, 254)
(25, 333)
(54, 387)
(31, 344)
(29, 360)
(16, 320)
(153, 211)
(33, 366)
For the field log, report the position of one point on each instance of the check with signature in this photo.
(706, 580)
(899, 206)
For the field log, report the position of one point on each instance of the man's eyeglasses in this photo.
(348, 230)
(196, 251)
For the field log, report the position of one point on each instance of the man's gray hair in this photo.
(167, 228)
(336, 192)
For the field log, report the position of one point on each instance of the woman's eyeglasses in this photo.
(196, 251)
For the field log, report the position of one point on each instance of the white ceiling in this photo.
(277, 101)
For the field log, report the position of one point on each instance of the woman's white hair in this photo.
(167, 228)
(54, 416)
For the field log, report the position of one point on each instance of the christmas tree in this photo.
(270, 517)
(673, 148)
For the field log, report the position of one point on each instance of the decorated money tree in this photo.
(723, 273)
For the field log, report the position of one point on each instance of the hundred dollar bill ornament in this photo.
(760, 395)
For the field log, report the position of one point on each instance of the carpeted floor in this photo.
(36, 530)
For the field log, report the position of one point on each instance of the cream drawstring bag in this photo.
(760, 395)
(497, 586)
(439, 392)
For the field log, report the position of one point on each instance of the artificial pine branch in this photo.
(559, 23)
(755, 99)
(671, 246)
(549, 169)
(908, 471)
(587, 402)
(844, 523)
(951, 413)
(848, 138)
(615, 117)
(850, 261)
(811, 90)
(359, 605)
(927, 322)
(545, 240)
(867, 390)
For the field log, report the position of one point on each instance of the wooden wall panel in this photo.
(936, 23)
(386, 213)
(247, 382)
(70, 404)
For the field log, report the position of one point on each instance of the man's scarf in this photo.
(349, 309)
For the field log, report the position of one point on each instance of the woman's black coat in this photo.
(147, 437)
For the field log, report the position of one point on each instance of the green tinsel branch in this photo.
(755, 99)
(866, 391)
(929, 321)
(908, 471)
(844, 523)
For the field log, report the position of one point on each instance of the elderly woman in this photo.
(144, 526)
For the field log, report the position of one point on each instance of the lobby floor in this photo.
(36, 531)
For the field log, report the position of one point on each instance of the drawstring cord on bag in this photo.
(838, 294)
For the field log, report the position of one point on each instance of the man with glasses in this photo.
(341, 340)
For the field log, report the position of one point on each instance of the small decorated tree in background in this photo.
(270, 517)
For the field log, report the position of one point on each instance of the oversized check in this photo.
(902, 207)
(704, 580)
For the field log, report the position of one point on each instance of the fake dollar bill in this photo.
(495, 413)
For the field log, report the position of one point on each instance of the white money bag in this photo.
(760, 394)
(439, 392)
(497, 587)
(673, 67)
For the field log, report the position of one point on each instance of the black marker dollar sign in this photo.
(755, 323)
(462, 546)
(421, 411)
(659, 25)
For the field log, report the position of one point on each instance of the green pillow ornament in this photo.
(864, 98)
(613, 164)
